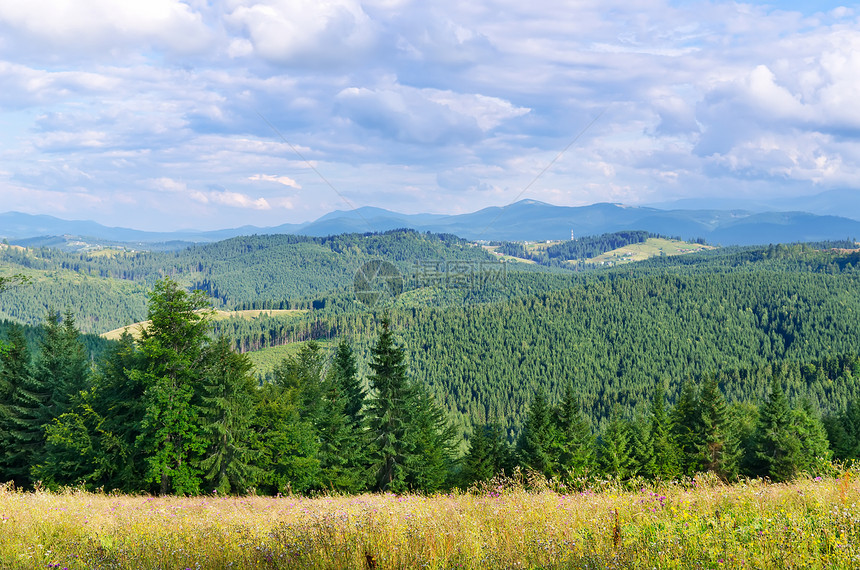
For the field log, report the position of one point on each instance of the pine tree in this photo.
(229, 394)
(776, 451)
(687, 429)
(389, 413)
(22, 430)
(172, 347)
(666, 453)
(615, 459)
(117, 397)
(573, 448)
(535, 442)
(719, 447)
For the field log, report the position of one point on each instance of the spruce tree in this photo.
(344, 371)
(666, 453)
(61, 364)
(489, 455)
(536, 438)
(431, 461)
(117, 396)
(172, 347)
(22, 428)
(687, 429)
(719, 447)
(573, 448)
(389, 413)
(227, 404)
(777, 450)
(814, 446)
(615, 453)
(642, 460)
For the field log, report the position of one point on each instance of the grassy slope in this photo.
(267, 359)
(806, 524)
(652, 247)
(134, 328)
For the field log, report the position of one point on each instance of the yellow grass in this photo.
(134, 329)
(649, 248)
(807, 524)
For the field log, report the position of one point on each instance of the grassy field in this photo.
(652, 247)
(812, 523)
(267, 359)
(134, 328)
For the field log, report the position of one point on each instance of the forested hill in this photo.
(94, 345)
(616, 334)
(107, 289)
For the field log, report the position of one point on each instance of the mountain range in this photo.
(526, 220)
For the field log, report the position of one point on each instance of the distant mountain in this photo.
(843, 202)
(18, 226)
(525, 220)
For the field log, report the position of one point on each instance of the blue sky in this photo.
(157, 114)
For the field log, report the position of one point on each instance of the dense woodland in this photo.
(741, 361)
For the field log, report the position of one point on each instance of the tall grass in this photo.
(812, 523)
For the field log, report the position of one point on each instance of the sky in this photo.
(206, 114)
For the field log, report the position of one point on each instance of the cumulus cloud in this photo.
(425, 116)
(285, 180)
(303, 32)
(419, 106)
(59, 29)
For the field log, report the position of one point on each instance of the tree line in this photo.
(702, 432)
(178, 411)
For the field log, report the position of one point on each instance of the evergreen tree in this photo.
(287, 445)
(389, 412)
(23, 411)
(229, 395)
(344, 372)
(172, 347)
(343, 440)
(489, 455)
(302, 375)
(615, 459)
(117, 397)
(573, 448)
(719, 447)
(535, 442)
(776, 451)
(642, 460)
(431, 460)
(814, 446)
(687, 429)
(61, 364)
(843, 432)
(666, 453)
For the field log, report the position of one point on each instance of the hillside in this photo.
(617, 333)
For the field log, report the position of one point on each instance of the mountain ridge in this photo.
(525, 220)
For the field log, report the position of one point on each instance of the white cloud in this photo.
(304, 32)
(418, 106)
(59, 29)
(285, 180)
(425, 116)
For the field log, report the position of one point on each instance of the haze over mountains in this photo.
(726, 222)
